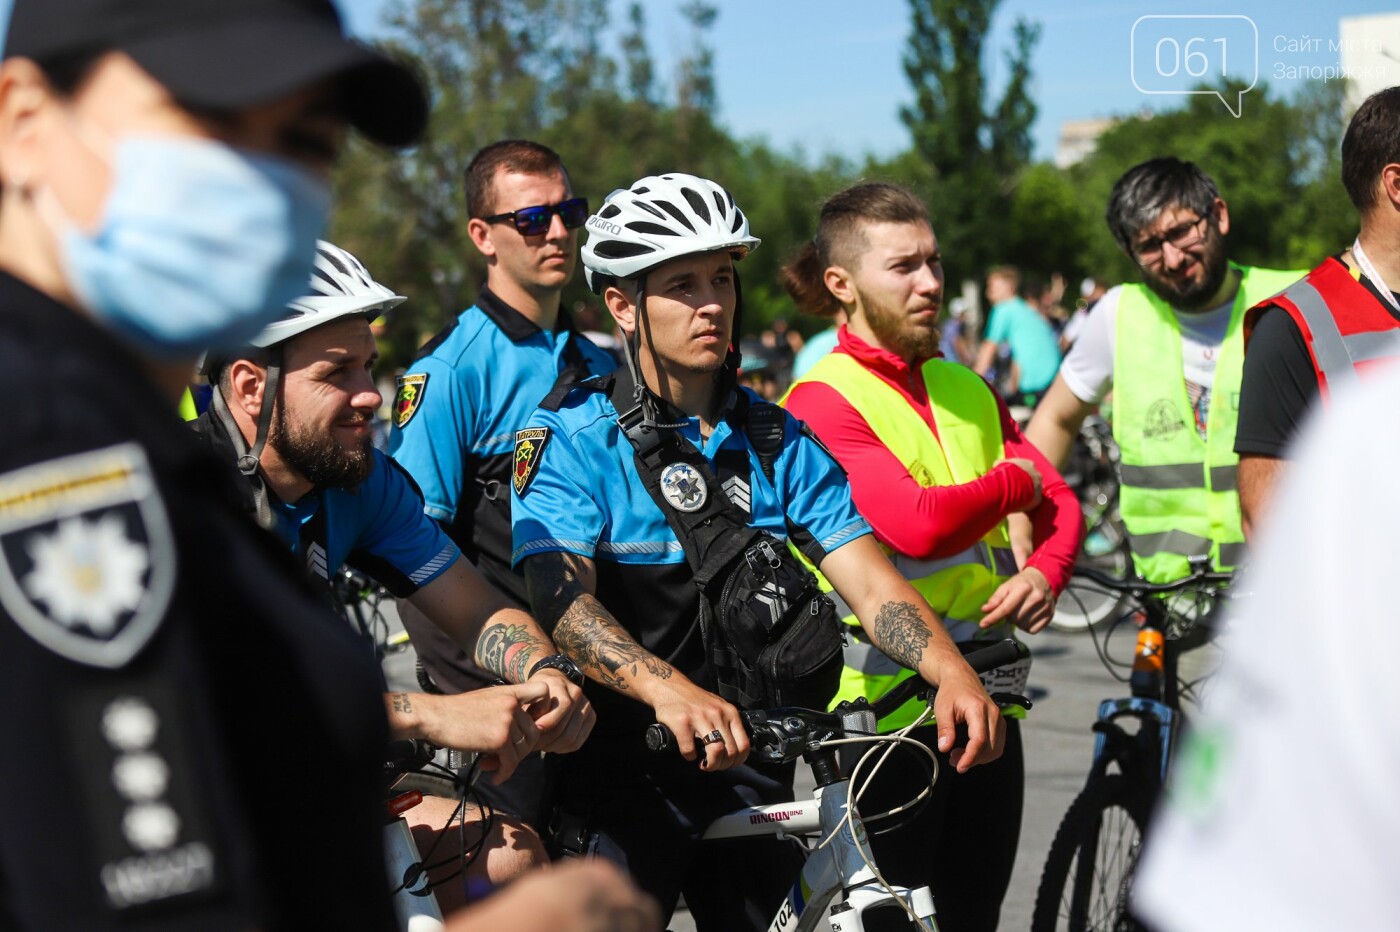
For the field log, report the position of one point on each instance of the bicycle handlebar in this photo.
(782, 733)
(1137, 586)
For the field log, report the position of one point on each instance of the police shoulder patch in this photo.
(87, 557)
(408, 397)
(529, 448)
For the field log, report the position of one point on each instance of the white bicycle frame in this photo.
(415, 906)
(836, 867)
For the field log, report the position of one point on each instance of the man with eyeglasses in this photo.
(476, 383)
(1173, 415)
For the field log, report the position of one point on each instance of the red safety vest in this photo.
(1346, 328)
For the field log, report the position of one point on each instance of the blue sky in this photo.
(826, 75)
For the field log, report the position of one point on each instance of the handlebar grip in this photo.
(410, 751)
(1000, 654)
(659, 737)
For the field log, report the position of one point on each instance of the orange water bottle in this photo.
(1146, 680)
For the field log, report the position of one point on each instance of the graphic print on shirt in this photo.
(87, 558)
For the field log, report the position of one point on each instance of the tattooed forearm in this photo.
(601, 647)
(400, 702)
(582, 628)
(901, 633)
(509, 651)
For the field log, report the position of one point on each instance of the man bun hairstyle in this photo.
(1372, 142)
(516, 156)
(841, 238)
(1145, 190)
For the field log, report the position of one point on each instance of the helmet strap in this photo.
(248, 458)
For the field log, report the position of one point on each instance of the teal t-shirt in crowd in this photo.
(1032, 340)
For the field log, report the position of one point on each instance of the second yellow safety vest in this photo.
(968, 444)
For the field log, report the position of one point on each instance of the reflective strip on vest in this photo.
(1329, 349)
(1373, 344)
(1224, 478)
(1185, 545)
(1179, 476)
(1178, 542)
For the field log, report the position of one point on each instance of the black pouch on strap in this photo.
(770, 634)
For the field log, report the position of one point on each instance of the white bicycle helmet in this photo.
(340, 286)
(659, 218)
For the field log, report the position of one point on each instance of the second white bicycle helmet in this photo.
(659, 218)
(340, 286)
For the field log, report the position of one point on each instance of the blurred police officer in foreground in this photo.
(164, 167)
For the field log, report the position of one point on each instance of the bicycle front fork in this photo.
(848, 916)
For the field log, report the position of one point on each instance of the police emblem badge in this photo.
(684, 487)
(87, 557)
(408, 397)
(529, 447)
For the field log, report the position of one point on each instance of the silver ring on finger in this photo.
(713, 737)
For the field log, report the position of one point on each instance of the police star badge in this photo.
(529, 447)
(408, 397)
(684, 487)
(87, 558)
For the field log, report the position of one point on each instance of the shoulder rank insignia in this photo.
(87, 557)
(408, 397)
(529, 447)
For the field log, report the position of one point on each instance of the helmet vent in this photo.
(616, 249)
(697, 203)
(675, 211)
(738, 222)
(641, 190)
(719, 203)
(656, 229)
(649, 209)
(610, 211)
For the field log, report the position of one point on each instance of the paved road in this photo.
(1067, 683)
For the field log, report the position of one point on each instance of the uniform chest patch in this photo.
(87, 558)
(684, 487)
(408, 397)
(529, 448)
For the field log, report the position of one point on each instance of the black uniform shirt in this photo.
(169, 680)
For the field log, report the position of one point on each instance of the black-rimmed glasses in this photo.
(534, 221)
(1182, 236)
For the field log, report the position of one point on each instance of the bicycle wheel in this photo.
(1105, 549)
(1089, 870)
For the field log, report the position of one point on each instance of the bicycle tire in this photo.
(1104, 824)
(1081, 607)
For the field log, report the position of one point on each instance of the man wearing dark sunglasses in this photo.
(476, 383)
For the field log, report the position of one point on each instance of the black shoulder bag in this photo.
(770, 634)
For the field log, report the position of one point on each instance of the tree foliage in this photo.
(540, 69)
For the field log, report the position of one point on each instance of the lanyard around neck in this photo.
(1370, 272)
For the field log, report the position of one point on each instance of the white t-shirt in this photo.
(1088, 369)
(1283, 811)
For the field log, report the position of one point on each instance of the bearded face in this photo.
(317, 454)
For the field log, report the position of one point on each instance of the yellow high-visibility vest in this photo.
(968, 444)
(1178, 491)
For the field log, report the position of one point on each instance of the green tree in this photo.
(976, 152)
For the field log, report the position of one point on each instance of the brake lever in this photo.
(1005, 699)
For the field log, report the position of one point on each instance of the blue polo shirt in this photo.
(585, 497)
(378, 527)
(1034, 346)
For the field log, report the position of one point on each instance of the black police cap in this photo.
(227, 55)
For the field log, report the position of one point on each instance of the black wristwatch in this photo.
(561, 663)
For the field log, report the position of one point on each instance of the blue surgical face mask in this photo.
(199, 245)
